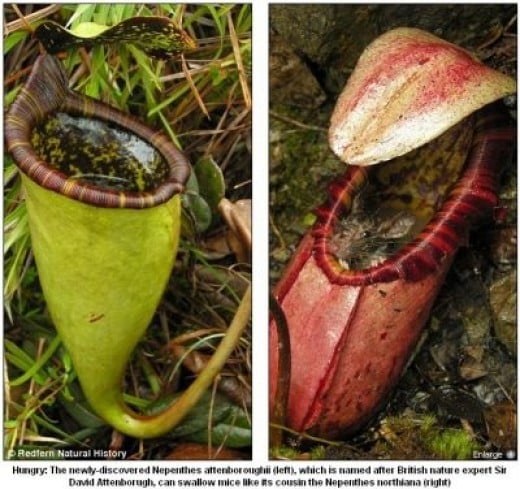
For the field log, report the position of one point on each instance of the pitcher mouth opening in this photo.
(396, 221)
(87, 150)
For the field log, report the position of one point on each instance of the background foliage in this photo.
(202, 101)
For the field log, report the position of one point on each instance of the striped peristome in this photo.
(45, 94)
(473, 196)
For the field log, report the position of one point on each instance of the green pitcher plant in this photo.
(102, 193)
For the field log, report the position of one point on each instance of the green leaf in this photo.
(78, 408)
(198, 417)
(199, 211)
(38, 364)
(211, 182)
(232, 432)
(10, 96)
(13, 39)
(198, 218)
(192, 185)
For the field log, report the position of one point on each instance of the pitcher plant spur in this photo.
(359, 289)
(102, 192)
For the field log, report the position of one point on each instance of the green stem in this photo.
(139, 426)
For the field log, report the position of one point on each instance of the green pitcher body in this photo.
(103, 201)
(103, 272)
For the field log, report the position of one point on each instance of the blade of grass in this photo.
(194, 90)
(169, 130)
(14, 39)
(240, 66)
(20, 359)
(82, 13)
(244, 21)
(39, 363)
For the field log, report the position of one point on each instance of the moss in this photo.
(423, 437)
(318, 453)
(283, 453)
(452, 444)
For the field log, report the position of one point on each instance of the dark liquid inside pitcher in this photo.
(98, 153)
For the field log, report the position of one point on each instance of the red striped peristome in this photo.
(45, 92)
(473, 197)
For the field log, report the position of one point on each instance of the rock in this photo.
(502, 296)
(290, 80)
